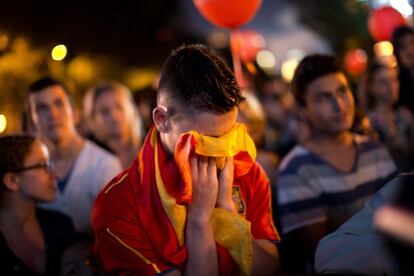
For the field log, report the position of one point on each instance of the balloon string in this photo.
(235, 51)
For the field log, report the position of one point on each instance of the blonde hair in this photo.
(134, 119)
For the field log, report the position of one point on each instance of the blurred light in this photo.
(295, 54)
(3, 123)
(288, 69)
(265, 59)
(383, 48)
(389, 61)
(402, 6)
(138, 78)
(59, 52)
(251, 68)
(4, 42)
(258, 41)
(81, 69)
(360, 55)
(218, 39)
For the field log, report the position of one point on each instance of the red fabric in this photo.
(133, 212)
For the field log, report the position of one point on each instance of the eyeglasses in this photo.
(48, 166)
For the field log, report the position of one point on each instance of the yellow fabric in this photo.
(228, 145)
(175, 212)
(230, 230)
(233, 233)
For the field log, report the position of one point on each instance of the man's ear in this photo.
(11, 181)
(161, 119)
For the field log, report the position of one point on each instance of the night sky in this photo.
(136, 31)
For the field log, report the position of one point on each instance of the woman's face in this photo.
(38, 181)
(111, 114)
(385, 85)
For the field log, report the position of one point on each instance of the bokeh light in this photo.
(59, 52)
(3, 123)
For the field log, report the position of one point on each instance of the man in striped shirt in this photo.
(328, 177)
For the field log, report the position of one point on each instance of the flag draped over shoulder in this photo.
(171, 189)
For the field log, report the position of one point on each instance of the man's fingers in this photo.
(202, 167)
(194, 166)
(229, 165)
(212, 168)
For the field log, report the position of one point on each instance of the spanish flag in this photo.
(155, 192)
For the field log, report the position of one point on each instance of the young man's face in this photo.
(206, 123)
(277, 103)
(385, 85)
(330, 105)
(52, 113)
(406, 51)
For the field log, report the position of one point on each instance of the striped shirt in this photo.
(310, 190)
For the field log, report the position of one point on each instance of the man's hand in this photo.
(225, 184)
(205, 185)
(202, 251)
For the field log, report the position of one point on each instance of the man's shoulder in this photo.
(118, 192)
(92, 150)
(298, 157)
(123, 183)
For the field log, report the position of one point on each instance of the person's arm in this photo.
(121, 242)
(265, 258)
(200, 243)
(356, 247)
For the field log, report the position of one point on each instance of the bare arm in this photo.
(200, 243)
(265, 258)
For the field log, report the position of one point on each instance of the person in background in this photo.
(113, 119)
(252, 115)
(403, 42)
(30, 237)
(327, 178)
(146, 100)
(359, 248)
(394, 124)
(281, 133)
(82, 168)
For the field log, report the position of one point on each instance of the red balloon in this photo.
(382, 23)
(246, 44)
(355, 61)
(229, 14)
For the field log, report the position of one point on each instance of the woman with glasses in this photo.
(30, 237)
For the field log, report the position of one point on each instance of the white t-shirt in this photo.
(92, 170)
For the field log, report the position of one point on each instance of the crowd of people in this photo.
(202, 177)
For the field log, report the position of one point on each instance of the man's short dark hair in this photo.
(199, 79)
(397, 35)
(308, 70)
(46, 82)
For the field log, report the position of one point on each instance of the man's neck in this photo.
(67, 147)
(321, 141)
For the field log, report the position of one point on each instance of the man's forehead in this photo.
(49, 94)
(213, 124)
(328, 83)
